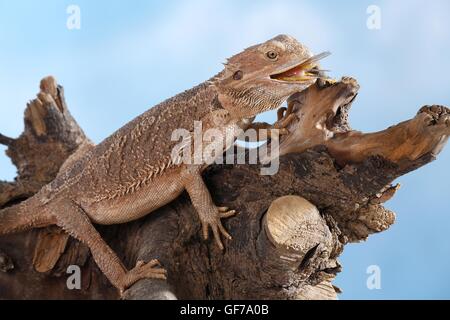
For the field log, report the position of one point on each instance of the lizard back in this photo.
(139, 151)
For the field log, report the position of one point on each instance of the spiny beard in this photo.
(258, 100)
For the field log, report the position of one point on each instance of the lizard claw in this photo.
(282, 124)
(280, 113)
(284, 112)
(227, 214)
(216, 225)
(142, 270)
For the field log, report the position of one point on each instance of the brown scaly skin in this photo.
(132, 173)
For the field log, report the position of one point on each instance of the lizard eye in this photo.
(238, 75)
(272, 55)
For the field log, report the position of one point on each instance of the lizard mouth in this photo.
(304, 72)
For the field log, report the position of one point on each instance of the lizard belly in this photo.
(159, 192)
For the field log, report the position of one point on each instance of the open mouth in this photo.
(305, 71)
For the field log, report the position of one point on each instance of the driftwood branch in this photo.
(6, 140)
(291, 227)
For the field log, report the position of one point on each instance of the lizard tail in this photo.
(24, 216)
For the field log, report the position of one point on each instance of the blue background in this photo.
(128, 56)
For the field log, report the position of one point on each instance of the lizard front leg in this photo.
(208, 212)
(74, 221)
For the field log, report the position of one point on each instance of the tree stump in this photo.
(291, 227)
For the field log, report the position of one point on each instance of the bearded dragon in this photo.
(132, 172)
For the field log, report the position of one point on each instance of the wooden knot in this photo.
(294, 225)
(50, 92)
(48, 85)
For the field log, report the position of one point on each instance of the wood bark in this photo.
(291, 227)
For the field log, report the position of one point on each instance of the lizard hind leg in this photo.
(75, 222)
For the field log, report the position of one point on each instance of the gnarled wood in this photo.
(297, 230)
(345, 175)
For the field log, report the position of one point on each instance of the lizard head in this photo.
(263, 76)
